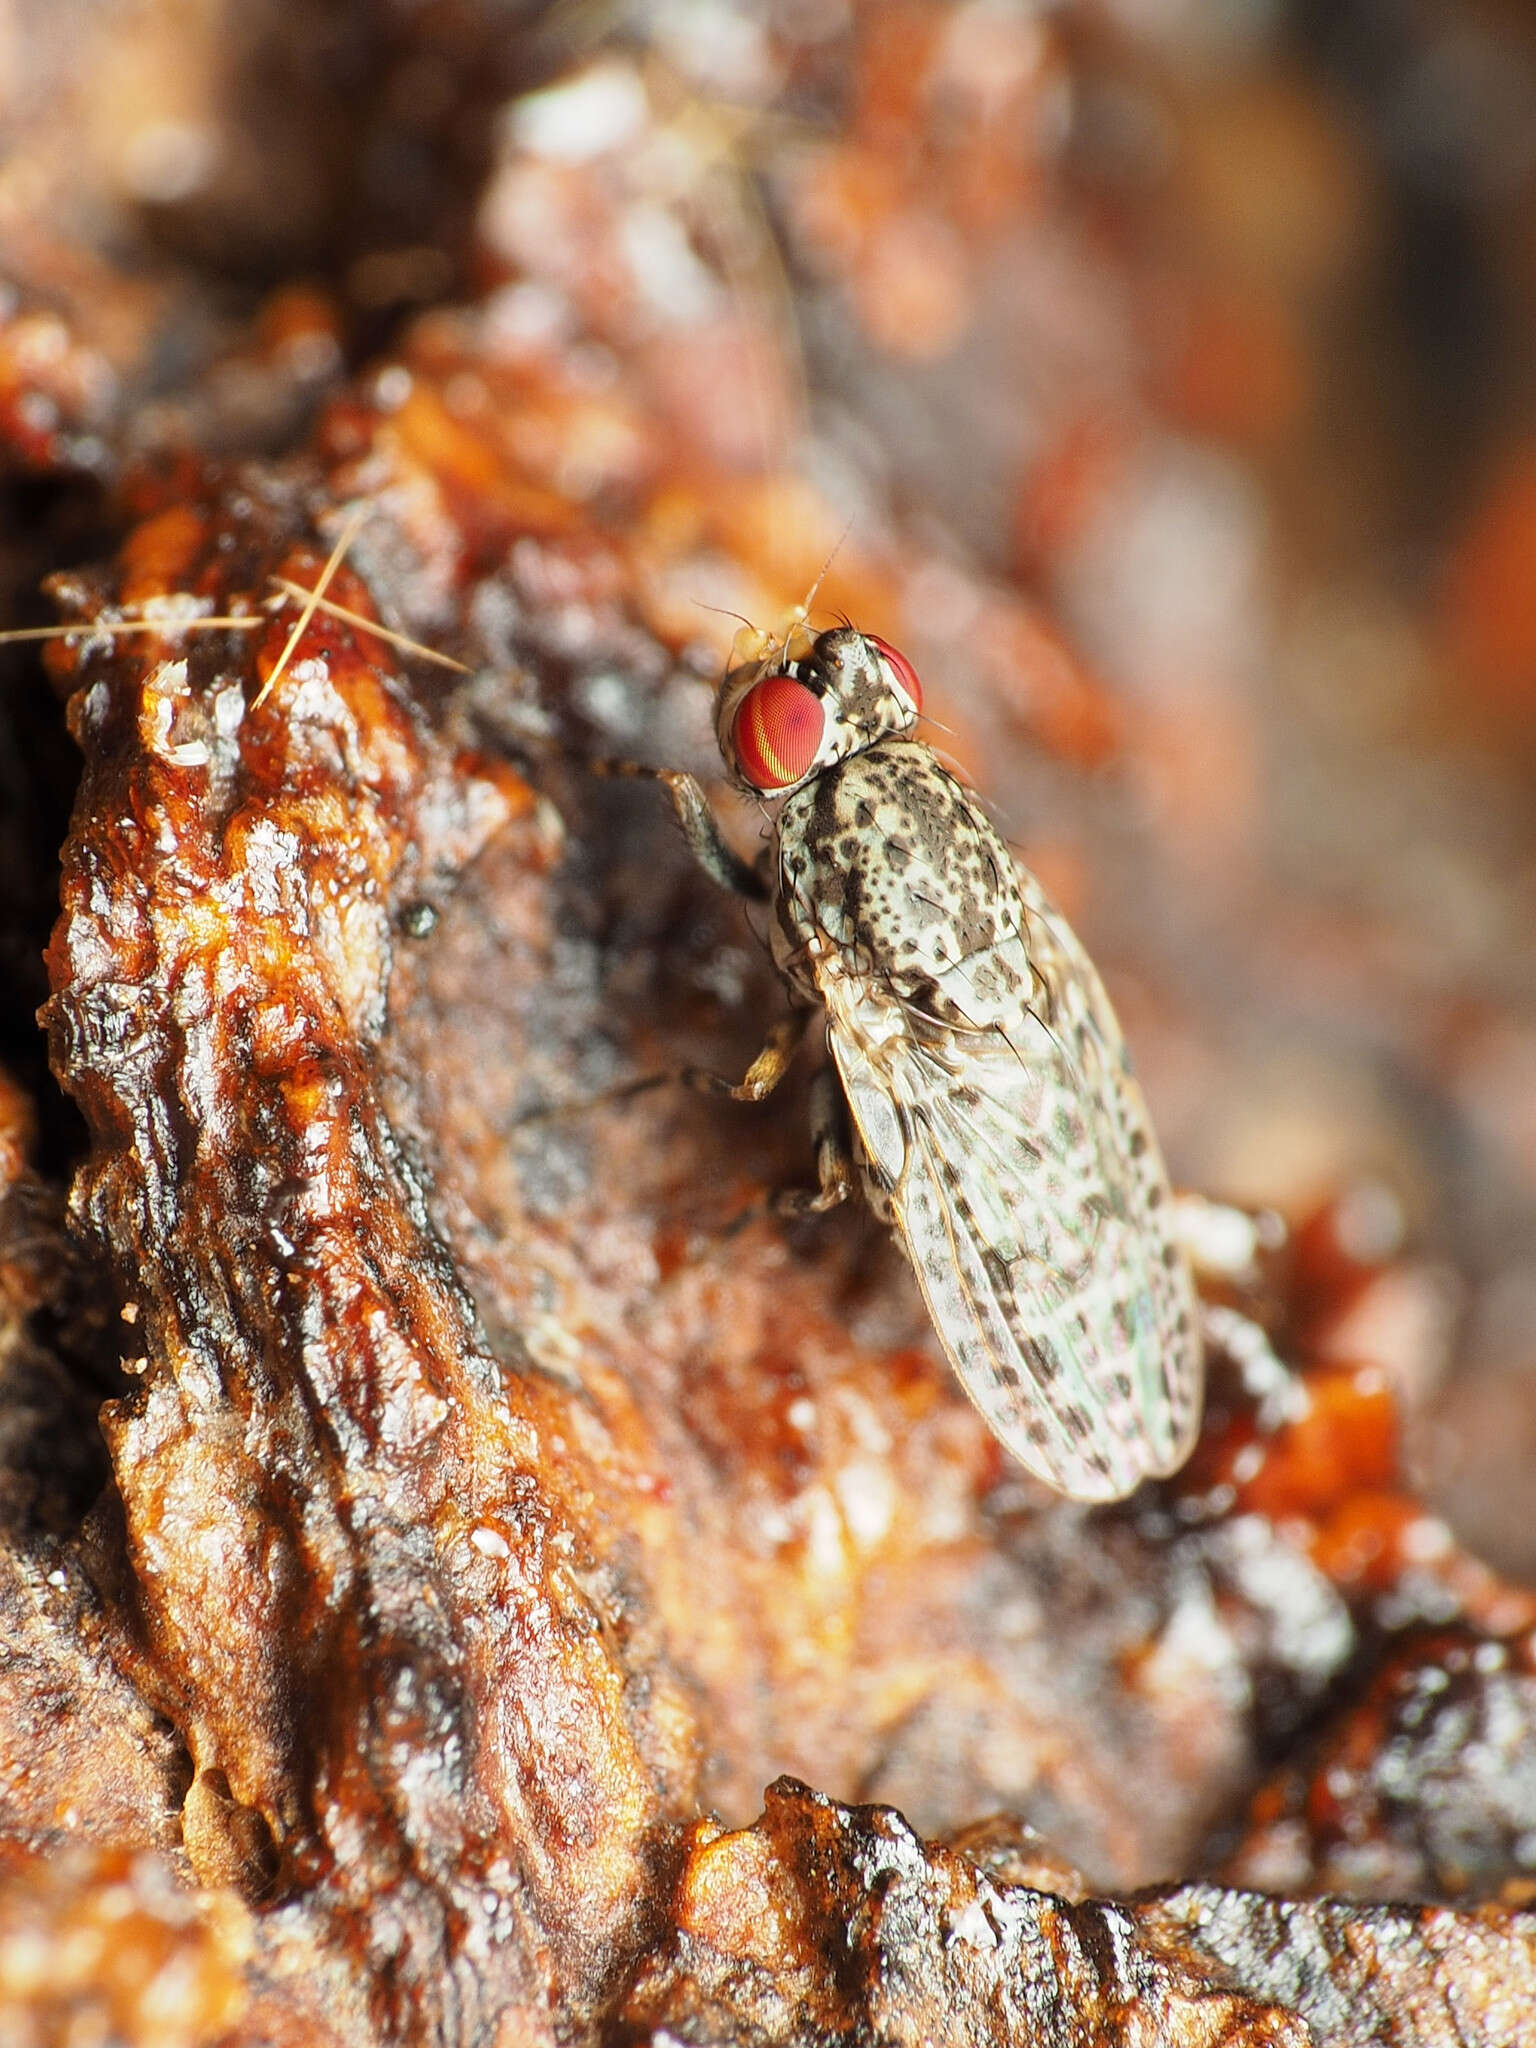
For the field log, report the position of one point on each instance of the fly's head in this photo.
(784, 720)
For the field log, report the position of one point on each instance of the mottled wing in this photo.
(1013, 1152)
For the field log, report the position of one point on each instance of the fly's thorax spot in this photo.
(996, 977)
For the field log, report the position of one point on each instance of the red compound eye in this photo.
(901, 668)
(778, 732)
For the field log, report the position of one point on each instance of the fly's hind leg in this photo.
(834, 1154)
(701, 828)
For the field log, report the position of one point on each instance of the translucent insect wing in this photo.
(1024, 1179)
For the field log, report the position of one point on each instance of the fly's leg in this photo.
(759, 1081)
(756, 1085)
(834, 1154)
(829, 1112)
(723, 865)
(765, 1072)
(700, 828)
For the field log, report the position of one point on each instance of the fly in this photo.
(979, 1089)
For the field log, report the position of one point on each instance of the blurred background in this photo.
(1175, 361)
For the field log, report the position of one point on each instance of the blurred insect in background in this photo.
(980, 1090)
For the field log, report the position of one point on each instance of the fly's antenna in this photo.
(723, 611)
(778, 646)
(802, 611)
(821, 575)
(746, 646)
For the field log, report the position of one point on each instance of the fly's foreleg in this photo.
(701, 829)
(759, 1081)
(765, 1072)
(834, 1154)
(724, 865)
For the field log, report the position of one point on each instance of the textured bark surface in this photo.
(829, 1922)
(488, 1499)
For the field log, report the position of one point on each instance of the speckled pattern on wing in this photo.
(999, 1126)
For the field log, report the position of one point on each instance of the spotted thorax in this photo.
(986, 1101)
